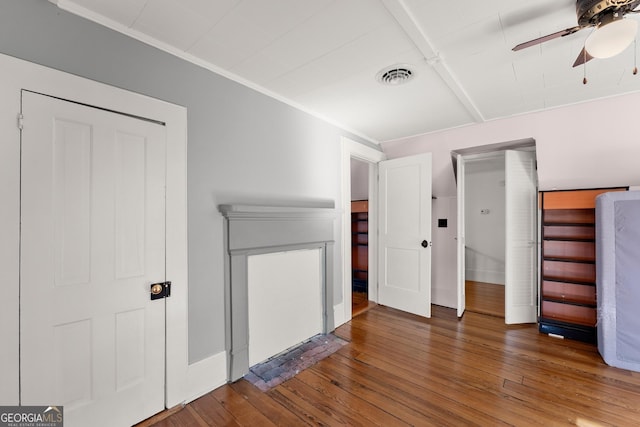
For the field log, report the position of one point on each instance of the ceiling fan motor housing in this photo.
(595, 12)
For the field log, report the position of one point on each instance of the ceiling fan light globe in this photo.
(611, 39)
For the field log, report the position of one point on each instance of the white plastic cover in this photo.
(618, 278)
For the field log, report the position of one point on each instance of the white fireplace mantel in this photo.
(253, 230)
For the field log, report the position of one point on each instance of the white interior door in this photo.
(92, 242)
(405, 234)
(520, 249)
(460, 164)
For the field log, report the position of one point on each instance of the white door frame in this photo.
(183, 382)
(462, 221)
(461, 236)
(352, 149)
(473, 153)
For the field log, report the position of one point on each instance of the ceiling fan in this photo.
(612, 33)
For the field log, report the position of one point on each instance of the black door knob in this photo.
(425, 243)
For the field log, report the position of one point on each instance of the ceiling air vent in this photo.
(395, 75)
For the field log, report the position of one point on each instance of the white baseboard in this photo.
(339, 317)
(206, 375)
(486, 276)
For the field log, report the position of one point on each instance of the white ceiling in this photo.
(323, 55)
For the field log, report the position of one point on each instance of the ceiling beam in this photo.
(403, 16)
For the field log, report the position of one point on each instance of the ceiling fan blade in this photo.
(547, 38)
(582, 58)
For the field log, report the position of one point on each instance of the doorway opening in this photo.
(485, 212)
(359, 237)
(400, 220)
(368, 159)
(497, 230)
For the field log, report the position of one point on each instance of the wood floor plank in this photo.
(487, 398)
(399, 369)
(425, 380)
(242, 410)
(212, 412)
(359, 409)
(183, 418)
(301, 404)
(278, 414)
(155, 420)
(411, 350)
(533, 412)
(538, 348)
(447, 350)
(324, 402)
(405, 406)
(485, 298)
(609, 401)
(562, 403)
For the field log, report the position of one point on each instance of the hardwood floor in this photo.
(360, 303)
(400, 370)
(485, 298)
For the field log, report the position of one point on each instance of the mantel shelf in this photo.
(240, 211)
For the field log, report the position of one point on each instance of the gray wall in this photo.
(242, 146)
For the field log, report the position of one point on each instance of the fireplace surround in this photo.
(254, 230)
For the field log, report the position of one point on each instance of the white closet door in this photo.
(405, 234)
(521, 224)
(460, 164)
(92, 242)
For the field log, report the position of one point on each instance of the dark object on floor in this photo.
(286, 365)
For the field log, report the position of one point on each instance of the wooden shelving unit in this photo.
(568, 288)
(360, 245)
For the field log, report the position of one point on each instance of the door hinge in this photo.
(160, 290)
(20, 121)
